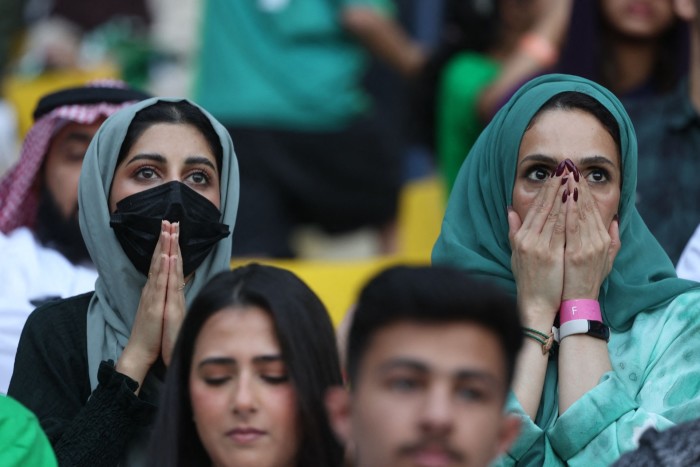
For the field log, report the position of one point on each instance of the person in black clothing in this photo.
(158, 191)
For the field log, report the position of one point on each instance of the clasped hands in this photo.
(161, 308)
(562, 249)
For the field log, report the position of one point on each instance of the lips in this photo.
(432, 458)
(245, 435)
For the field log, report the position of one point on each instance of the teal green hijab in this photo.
(118, 286)
(474, 233)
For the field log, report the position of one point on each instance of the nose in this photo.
(175, 210)
(243, 399)
(437, 414)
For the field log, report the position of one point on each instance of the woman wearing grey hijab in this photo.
(157, 198)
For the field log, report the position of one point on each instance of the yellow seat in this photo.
(338, 282)
(24, 93)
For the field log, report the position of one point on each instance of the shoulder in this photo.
(60, 317)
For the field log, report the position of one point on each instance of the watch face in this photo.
(599, 330)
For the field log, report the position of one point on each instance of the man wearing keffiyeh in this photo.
(42, 250)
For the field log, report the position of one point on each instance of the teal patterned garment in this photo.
(654, 316)
(655, 382)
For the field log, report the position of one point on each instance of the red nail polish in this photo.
(560, 169)
(565, 195)
(575, 194)
(564, 179)
(577, 175)
(570, 165)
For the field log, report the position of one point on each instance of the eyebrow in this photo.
(585, 161)
(539, 158)
(415, 365)
(228, 361)
(191, 160)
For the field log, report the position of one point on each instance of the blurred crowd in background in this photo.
(426, 95)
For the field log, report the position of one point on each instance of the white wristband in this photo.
(582, 326)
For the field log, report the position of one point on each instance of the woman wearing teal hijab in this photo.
(158, 196)
(545, 206)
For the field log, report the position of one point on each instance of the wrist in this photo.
(538, 317)
(579, 309)
(133, 366)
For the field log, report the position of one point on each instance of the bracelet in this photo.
(579, 309)
(539, 48)
(582, 326)
(546, 340)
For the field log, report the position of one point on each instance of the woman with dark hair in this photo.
(545, 206)
(158, 192)
(253, 360)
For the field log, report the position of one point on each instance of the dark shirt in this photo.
(50, 377)
(668, 188)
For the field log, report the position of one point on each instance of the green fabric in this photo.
(647, 339)
(22, 441)
(655, 383)
(118, 287)
(474, 231)
(458, 124)
(287, 67)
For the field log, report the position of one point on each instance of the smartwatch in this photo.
(582, 326)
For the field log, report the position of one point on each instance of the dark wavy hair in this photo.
(307, 341)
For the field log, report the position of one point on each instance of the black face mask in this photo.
(137, 224)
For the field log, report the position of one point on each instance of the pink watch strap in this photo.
(579, 309)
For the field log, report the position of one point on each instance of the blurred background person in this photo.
(477, 40)
(44, 255)
(430, 358)
(287, 83)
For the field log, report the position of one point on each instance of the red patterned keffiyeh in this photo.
(19, 188)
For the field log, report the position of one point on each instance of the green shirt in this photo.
(458, 124)
(22, 441)
(286, 64)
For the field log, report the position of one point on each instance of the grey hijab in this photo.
(118, 288)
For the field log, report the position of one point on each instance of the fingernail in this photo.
(570, 165)
(563, 180)
(577, 175)
(565, 195)
(616, 218)
(560, 169)
(575, 194)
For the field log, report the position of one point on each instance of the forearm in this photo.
(583, 360)
(519, 65)
(384, 38)
(531, 365)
